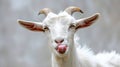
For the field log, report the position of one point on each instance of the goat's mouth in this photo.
(61, 48)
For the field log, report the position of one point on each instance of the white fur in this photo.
(82, 56)
(75, 56)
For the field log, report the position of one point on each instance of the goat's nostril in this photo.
(59, 40)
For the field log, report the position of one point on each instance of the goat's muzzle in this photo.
(61, 48)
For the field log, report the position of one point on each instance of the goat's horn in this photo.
(45, 11)
(71, 10)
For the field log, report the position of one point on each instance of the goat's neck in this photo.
(69, 61)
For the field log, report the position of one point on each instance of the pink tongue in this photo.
(61, 49)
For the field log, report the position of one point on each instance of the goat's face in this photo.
(60, 29)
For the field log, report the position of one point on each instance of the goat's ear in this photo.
(85, 22)
(33, 26)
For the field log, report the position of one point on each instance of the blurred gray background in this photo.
(23, 48)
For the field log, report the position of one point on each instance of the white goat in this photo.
(60, 29)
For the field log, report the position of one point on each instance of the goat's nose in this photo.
(59, 40)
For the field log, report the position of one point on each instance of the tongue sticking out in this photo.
(61, 49)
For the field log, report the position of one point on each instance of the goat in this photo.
(60, 29)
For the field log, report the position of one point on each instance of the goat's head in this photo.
(60, 28)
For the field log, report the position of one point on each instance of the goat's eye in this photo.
(46, 28)
(72, 26)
